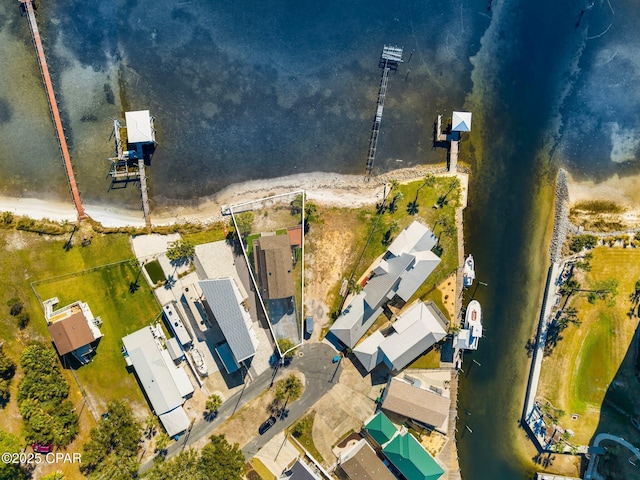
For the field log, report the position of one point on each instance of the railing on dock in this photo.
(53, 106)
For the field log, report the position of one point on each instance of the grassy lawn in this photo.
(106, 290)
(306, 439)
(261, 469)
(363, 221)
(591, 354)
(155, 271)
(431, 359)
(214, 234)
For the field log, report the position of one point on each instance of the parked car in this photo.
(42, 447)
(270, 422)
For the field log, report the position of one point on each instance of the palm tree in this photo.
(393, 206)
(412, 207)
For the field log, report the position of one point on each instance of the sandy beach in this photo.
(326, 188)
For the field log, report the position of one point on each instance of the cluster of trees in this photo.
(11, 471)
(48, 415)
(218, 460)
(112, 451)
(7, 371)
(16, 309)
(286, 390)
(581, 242)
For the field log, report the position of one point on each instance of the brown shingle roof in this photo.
(365, 465)
(276, 265)
(295, 235)
(416, 403)
(71, 333)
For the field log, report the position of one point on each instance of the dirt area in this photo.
(448, 290)
(433, 442)
(327, 255)
(242, 426)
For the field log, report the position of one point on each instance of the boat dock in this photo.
(389, 60)
(128, 165)
(27, 7)
(460, 122)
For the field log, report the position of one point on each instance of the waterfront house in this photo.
(73, 328)
(414, 332)
(225, 301)
(427, 407)
(380, 428)
(165, 385)
(397, 275)
(274, 263)
(411, 459)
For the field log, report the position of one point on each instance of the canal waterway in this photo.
(244, 90)
(549, 89)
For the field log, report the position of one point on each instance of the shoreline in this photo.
(332, 189)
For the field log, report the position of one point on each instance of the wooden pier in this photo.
(128, 165)
(389, 60)
(27, 6)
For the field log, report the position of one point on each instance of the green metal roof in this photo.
(381, 428)
(411, 459)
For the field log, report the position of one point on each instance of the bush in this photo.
(23, 320)
(302, 427)
(581, 242)
(16, 309)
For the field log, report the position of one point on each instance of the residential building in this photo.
(411, 459)
(415, 331)
(274, 262)
(165, 385)
(73, 328)
(380, 428)
(299, 471)
(424, 406)
(230, 311)
(362, 463)
(402, 269)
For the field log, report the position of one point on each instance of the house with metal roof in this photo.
(165, 385)
(299, 471)
(411, 459)
(362, 463)
(73, 329)
(413, 333)
(226, 303)
(399, 273)
(274, 262)
(425, 406)
(380, 428)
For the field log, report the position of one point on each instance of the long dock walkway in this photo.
(53, 105)
(375, 130)
(143, 191)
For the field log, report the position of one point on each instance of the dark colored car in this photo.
(42, 447)
(270, 422)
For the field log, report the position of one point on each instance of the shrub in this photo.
(583, 241)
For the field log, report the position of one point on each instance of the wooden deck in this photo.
(53, 105)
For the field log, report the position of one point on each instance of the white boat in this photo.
(473, 323)
(468, 272)
(198, 361)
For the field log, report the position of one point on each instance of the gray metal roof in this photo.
(155, 378)
(234, 321)
(379, 286)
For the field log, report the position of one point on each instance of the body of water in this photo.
(244, 90)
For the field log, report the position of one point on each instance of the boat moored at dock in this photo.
(468, 337)
(469, 272)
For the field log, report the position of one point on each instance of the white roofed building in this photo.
(461, 122)
(403, 268)
(140, 127)
(413, 333)
(165, 385)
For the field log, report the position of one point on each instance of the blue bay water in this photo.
(244, 90)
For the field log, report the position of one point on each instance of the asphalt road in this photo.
(320, 376)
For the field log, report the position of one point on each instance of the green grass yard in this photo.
(591, 354)
(106, 290)
(363, 221)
